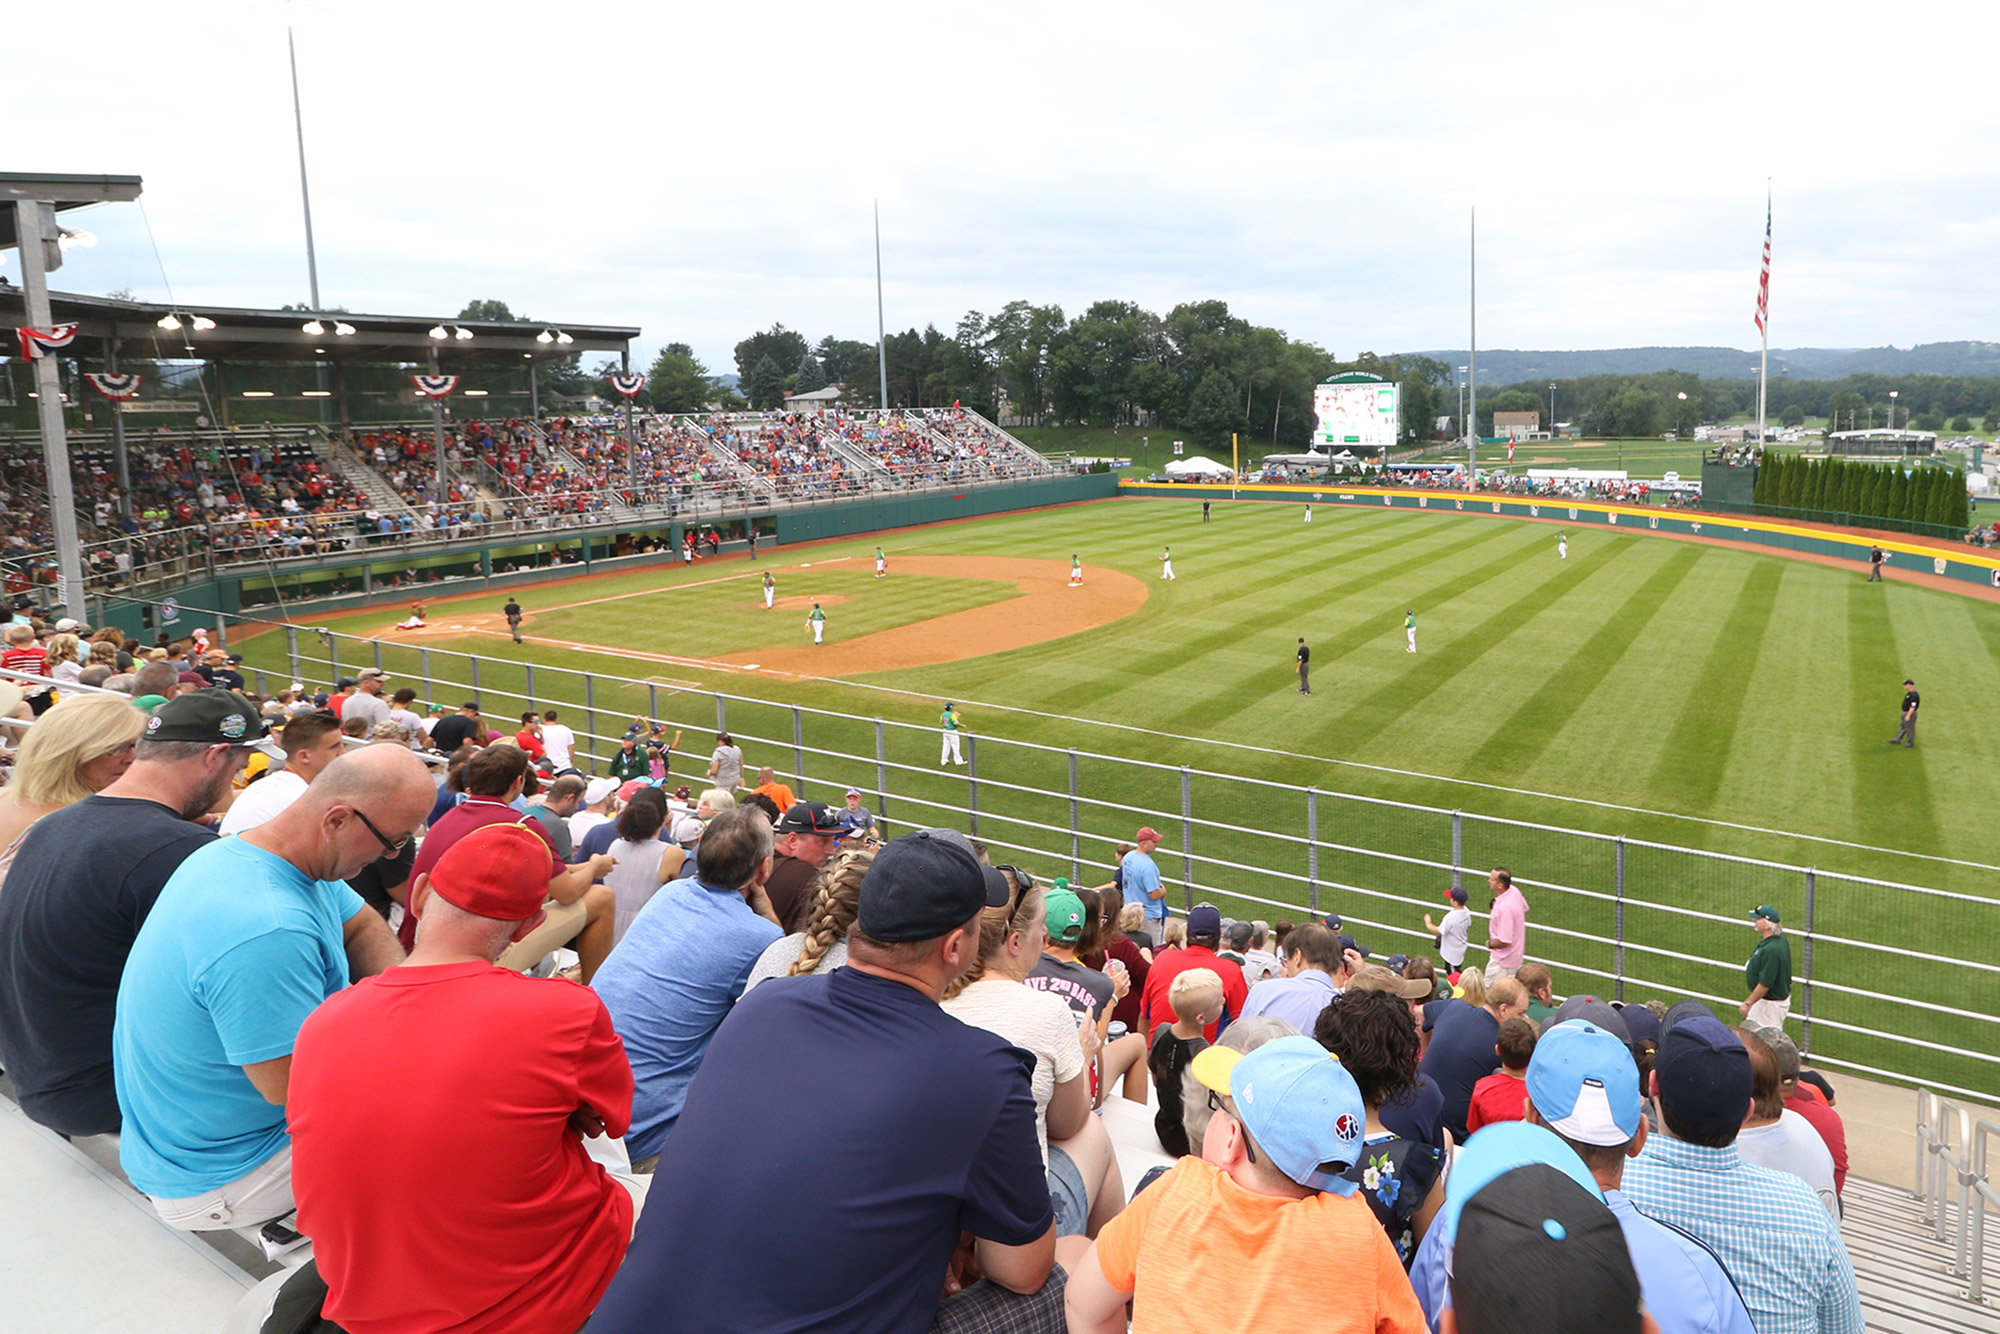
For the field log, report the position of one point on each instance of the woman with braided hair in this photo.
(834, 897)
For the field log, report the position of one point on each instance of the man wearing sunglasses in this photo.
(248, 937)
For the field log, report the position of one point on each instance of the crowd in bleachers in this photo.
(294, 952)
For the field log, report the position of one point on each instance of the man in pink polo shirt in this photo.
(1506, 926)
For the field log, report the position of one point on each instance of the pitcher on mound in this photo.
(770, 590)
(816, 622)
(1075, 572)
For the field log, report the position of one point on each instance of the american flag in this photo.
(1764, 279)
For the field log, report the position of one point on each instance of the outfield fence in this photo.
(1892, 980)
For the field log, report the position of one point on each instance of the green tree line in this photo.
(1869, 495)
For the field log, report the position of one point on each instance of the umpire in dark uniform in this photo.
(1907, 733)
(1305, 679)
(1875, 559)
(512, 611)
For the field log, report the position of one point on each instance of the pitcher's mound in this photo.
(805, 604)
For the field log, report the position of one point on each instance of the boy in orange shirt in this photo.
(1265, 1202)
(1504, 1096)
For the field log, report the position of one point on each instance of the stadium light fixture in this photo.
(438, 332)
(317, 393)
(545, 336)
(169, 321)
(69, 239)
(342, 329)
(462, 334)
(313, 327)
(475, 393)
(202, 324)
(563, 338)
(258, 393)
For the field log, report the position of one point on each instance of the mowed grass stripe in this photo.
(1892, 791)
(1697, 750)
(1390, 703)
(1521, 738)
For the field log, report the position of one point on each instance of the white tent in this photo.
(1197, 466)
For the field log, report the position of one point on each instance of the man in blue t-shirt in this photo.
(683, 962)
(1139, 877)
(855, 1131)
(250, 934)
(1462, 1050)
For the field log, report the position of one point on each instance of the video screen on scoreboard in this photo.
(1356, 414)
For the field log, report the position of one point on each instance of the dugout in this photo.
(1883, 443)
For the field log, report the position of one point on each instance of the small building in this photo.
(1514, 426)
(813, 399)
(1895, 444)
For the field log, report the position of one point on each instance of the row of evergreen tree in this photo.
(1874, 494)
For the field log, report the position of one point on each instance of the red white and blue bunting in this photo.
(115, 387)
(628, 385)
(435, 386)
(38, 343)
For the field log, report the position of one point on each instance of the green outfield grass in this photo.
(1673, 678)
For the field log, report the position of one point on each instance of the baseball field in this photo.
(1670, 692)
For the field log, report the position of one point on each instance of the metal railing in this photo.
(1953, 1185)
(1883, 980)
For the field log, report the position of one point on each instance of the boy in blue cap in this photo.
(1264, 1203)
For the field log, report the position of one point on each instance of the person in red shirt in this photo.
(438, 1115)
(1810, 1103)
(1204, 932)
(529, 738)
(23, 654)
(1504, 1096)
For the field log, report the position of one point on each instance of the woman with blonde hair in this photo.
(75, 749)
(63, 661)
(103, 654)
(993, 994)
(834, 898)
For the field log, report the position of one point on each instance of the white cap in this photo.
(688, 831)
(597, 789)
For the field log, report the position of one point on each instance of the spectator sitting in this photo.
(820, 944)
(580, 909)
(557, 802)
(1315, 973)
(80, 746)
(1777, 1137)
(248, 937)
(643, 861)
(83, 880)
(311, 742)
(1788, 1261)
(1197, 994)
(1804, 1100)
(683, 963)
(628, 761)
(1259, 962)
(931, 1125)
(1204, 929)
(1137, 959)
(769, 786)
(1173, 935)
(1540, 985)
(1504, 1096)
(479, 1066)
(805, 833)
(1082, 1169)
(1236, 943)
(1402, 1179)
(1266, 1201)
(598, 803)
(1074, 923)
(1461, 1051)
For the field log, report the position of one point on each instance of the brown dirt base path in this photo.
(1048, 608)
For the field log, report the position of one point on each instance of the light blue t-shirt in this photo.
(1297, 1000)
(669, 984)
(240, 948)
(1140, 877)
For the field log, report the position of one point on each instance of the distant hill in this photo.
(1510, 366)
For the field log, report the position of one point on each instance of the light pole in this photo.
(1892, 409)
(1461, 402)
(1552, 411)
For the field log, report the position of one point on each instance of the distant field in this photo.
(1665, 678)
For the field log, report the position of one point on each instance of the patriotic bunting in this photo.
(117, 388)
(628, 385)
(1764, 277)
(38, 343)
(435, 386)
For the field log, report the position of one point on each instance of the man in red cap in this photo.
(438, 1115)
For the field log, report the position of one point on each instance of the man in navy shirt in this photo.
(856, 1132)
(1462, 1047)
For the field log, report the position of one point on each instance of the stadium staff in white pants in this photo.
(953, 727)
(1768, 974)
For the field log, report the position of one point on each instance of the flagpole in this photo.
(1764, 324)
(1472, 414)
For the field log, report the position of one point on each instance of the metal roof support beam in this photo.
(34, 223)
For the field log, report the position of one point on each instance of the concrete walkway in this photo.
(1881, 1122)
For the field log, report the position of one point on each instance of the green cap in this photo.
(1765, 911)
(1061, 882)
(1064, 914)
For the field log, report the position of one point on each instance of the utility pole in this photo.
(305, 198)
(881, 326)
(36, 229)
(1472, 387)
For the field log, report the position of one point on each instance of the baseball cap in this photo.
(688, 831)
(853, 792)
(470, 705)
(1682, 1011)
(1704, 1075)
(1765, 911)
(1204, 920)
(1537, 1250)
(193, 679)
(372, 674)
(1064, 913)
(1298, 1102)
(345, 683)
(809, 817)
(1374, 977)
(597, 789)
(500, 871)
(1146, 833)
(1332, 921)
(682, 793)
(1641, 1023)
(1348, 942)
(631, 785)
(1455, 894)
(1585, 1084)
(1498, 1149)
(923, 885)
(1593, 1011)
(67, 624)
(214, 716)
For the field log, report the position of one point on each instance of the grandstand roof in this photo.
(278, 336)
(68, 192)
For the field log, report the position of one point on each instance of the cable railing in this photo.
(1636, 915)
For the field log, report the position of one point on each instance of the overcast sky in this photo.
(704, 170)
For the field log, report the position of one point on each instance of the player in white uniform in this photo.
(1410, 628)
(1309, 514)
(817, 621)
(770, 590)
(881, 565)
(1075, 572)
(1562, 545)
(1166, 562)
(950, 731)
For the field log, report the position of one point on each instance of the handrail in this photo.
(1965, 1160)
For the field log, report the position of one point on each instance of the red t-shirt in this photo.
(1156, 1009)
(1127, 953)
(32, 660)
(1827, 1122)
(470, 814)
(1499, 1097)
(432, 1157)
(531, 743)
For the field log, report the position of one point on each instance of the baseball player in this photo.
(1075, 572)
(1562, 545)
(817, 622)
(1309, 514)
(1410, 628)
(1166, 562)
(952, 725)
(770, 590)
(881, 565)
